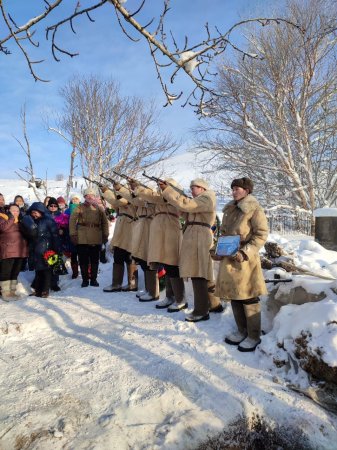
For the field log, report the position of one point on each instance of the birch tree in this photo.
(110, 131)
(274, 119)
(28, 173)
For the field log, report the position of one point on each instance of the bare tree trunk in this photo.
(71, 172)
(30, 177)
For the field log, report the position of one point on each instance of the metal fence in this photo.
(289, 223)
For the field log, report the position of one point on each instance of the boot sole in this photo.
(230, 342)
(177, 310)
(162, 307)
(113, 290)
(198, 320)
(150, 300)
(250, 349)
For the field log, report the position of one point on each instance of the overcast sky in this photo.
(105, 51)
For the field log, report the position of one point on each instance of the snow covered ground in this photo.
(85, 369)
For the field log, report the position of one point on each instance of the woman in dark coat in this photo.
(13, 249)
(55, 213)
(41, 231)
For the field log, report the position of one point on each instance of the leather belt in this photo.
(202, 224)
(90, 225)
(170, 213)
(127, 215)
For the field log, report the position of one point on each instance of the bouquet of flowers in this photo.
(55, 262)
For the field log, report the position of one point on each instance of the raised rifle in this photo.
(111, 180)
(130, 179)
(93, 181)
(160, 180)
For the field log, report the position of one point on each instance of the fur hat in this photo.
(200, 183)
(244, 183)
(89, 191)
(52, 201)
(60, 200)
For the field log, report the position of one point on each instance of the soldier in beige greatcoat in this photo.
(140, 240)
(121, 242)
(240, 278)
(164, 247)
(195, 261)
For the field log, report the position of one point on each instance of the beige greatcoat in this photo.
(195, 259)
(243, 281)
(122, 236)
(165, 229)
(141, 227)
(89, 225)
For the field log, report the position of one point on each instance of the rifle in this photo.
(93, 181)
(130, 179)
(160, 180)
(111, 180)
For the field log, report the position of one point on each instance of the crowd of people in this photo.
(31, 235)
(158, 230)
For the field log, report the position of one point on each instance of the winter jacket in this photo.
(62, 222)
(42, 235)
(195, 259)
(140, 226)
(12, 242)
(88, 225)
(242, 281)
(126, 216)
(165, 229)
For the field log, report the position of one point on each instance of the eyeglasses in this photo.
(53, 206)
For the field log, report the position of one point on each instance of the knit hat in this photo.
(75, 196)
(52, 201)
(60, 200)
(244, 183)
(89, 191)
(200, 183)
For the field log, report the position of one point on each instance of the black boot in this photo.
(74, 268)
(85, 275)
(93, 275)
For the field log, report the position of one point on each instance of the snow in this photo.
(325, 212)
(84, 369)
(314, 318)
(191, 63)
(104, 371)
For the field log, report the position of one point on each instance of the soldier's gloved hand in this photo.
(117, 186)
(238, 257)
(103, 187)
